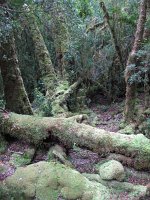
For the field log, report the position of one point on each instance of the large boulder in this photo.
(112, 170)
(48, 181)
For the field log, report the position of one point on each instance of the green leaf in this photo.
(16, 3)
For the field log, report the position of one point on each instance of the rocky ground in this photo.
(107, 117)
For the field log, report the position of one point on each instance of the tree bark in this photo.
(60, 101)
(69, 132)
(60, 35)
(131, 86)
(42, 54)
(14, 90)
(113, 35)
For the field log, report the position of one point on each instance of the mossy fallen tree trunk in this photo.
(70, 132)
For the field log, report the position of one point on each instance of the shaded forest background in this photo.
(81, 43)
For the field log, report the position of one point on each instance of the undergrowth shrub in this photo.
(42, 104)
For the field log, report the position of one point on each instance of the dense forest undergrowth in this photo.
(74, 100)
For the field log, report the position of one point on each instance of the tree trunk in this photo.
(113, 35)
(60, 101)
(69, 132)
(42, 54)
(131, 85)
(60, 35)
(14, 90)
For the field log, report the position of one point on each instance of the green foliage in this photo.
(5, 25)
(2, 103)
(84, 8)
(19, 3)
(145, 127)
(19, 160)
(142, 66)
(15, 194)
(90, 55)
(16, 2)
(41, 104)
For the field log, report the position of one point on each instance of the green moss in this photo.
(11, 193)
(135, 145)
(127, 130)
(73, 183)
(35, 130)
(22, 159)
(147, 111)
(56, 108)
(112, 170)
(2, 169)
(63, 86)
(47, 184)
(18, 160)
(46, 180)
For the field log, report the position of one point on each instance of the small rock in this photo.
(54, 150)
(112, 170)
(92, 177)
(148, 190)
(58, 152)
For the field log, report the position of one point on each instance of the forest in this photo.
(74, 99)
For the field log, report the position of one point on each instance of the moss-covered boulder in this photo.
(48, 180)
(112, 170)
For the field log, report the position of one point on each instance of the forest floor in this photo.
(108, 117)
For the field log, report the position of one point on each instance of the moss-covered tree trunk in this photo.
(60, 36)
(131, 63)
(69, 132)
(60, 99)
(46, 67)
(15, 94)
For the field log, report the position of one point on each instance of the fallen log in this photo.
(71, 133)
